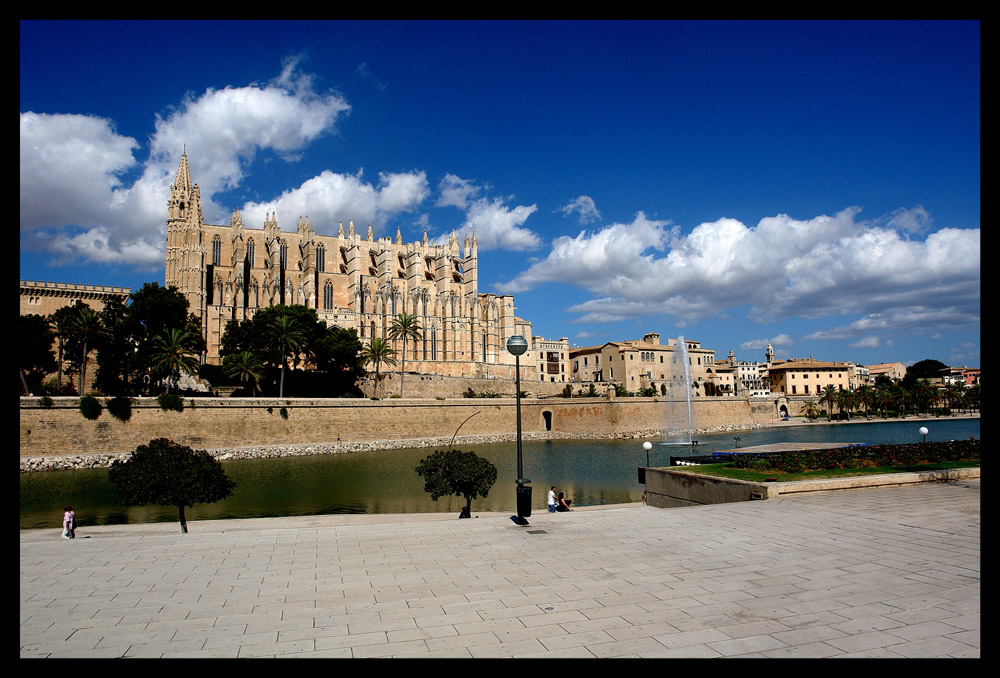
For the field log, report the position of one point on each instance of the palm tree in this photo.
(883, 398)
(61, 327)
(245, 366)
(85, 324)
(845, 402)
(865, 396)
(404, 326)
(284, 336)
(810, 409)
(172, 353)
(829, 397)
(954, 392)
(378, 351)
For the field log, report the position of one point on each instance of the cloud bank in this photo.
(827, 266)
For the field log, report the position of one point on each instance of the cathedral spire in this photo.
(183, 179)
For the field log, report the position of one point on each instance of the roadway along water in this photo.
(591, 472)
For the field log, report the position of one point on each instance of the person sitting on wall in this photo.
(563, 504)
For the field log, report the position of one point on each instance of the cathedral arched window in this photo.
(284, 254)
(216, 250)
(250, 249)
(321, 259)
(327, 296)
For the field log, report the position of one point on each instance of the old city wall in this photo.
(214, 423)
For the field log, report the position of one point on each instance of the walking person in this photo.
(72, 523)
(67, 520)
(552, 499)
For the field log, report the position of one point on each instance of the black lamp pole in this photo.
(517, 345)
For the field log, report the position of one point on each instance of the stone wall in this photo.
(230, 423)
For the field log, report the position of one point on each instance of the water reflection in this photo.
(591, 472)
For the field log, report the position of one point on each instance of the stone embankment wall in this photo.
(60, 437)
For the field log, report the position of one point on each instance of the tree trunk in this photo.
(184, 525)
(402, 368)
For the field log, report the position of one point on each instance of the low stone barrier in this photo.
(671, 488)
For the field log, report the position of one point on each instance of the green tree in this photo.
(169, 474)
(830, 398)
(864, 397)
(337, 353)
(925, 369)
(173, 352)
(315, 344)
(810, 409)
(116, 354)
(284, 337)
(60, 320)
(846, 401)
(377, 352)
(152, 311)
(35, 358)
(86, 326)
(463, 474)
(244, 366)
(404, 326)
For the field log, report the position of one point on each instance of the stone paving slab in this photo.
(884, 572)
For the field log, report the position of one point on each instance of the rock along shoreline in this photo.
(66, 463)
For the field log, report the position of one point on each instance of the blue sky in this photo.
(815, 184)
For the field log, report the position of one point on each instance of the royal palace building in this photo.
(353, 281)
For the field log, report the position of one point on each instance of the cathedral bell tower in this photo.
(185, 249)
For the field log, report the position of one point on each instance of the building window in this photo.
(216, 250)
(321, 259)
(250, 249)
(328, 296)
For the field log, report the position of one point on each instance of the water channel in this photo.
(591, 472)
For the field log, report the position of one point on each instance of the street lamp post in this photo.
(516, 346)
(642, 472)
(923, 431)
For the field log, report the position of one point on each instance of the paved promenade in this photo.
(888, 572)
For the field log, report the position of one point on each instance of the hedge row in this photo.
(864, 456)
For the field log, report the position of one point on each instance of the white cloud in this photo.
(71, 165)
(828, 266)
(495, 224)
(779, 341)
(330, 196)
(498, 226)
(70, 168)
(584, 207)
(455, 192)
(602, 262)
(402, 192)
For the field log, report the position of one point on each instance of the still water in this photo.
(591, 472)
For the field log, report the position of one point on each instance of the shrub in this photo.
(120, 408)
(45, 402)
(881, 455)
(90, 407)
(170, 401)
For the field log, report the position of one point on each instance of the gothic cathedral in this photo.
(352, 281)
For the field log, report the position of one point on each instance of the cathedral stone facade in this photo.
(352, 280)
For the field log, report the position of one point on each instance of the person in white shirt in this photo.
(552, 499)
